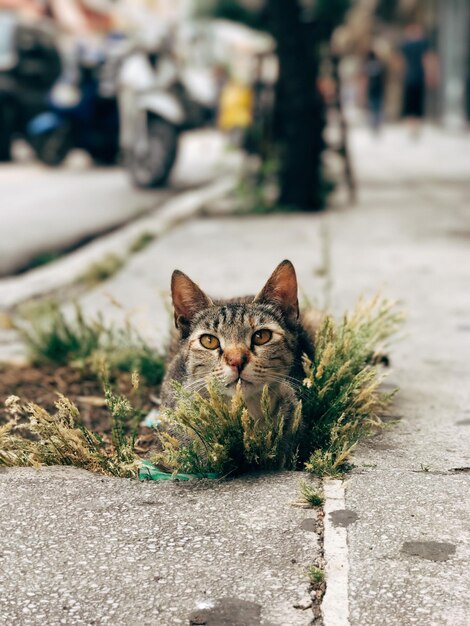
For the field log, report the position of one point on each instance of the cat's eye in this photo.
(209, 341)
(260, 337)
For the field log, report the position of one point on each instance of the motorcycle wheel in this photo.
(52, 147)
(151, 167)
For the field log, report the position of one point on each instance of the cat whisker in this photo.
(283, 378)
(298, 387)
(286, 376)
(195, 384)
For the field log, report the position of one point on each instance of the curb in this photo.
(63, 272)
(335, 605)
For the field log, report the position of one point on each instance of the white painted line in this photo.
(335, 605)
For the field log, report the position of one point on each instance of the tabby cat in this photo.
(254, 341)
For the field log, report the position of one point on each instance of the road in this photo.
(45, 210)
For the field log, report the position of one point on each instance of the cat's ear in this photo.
(188, 299)
(281, 289)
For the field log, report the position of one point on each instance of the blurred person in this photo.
(420, 71)
(374, 72)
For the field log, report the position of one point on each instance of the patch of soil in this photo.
(42, 384)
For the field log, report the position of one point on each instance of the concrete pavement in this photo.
(410, 546)
(403, 512)
(80, 549)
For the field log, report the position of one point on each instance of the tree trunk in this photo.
(299, 107)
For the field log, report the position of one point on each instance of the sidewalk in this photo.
(407, 536)
(410, 547)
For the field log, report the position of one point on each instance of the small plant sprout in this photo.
(310, 495)
(315, 575)
(141, 242)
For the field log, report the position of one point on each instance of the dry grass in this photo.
(34, 437)
(211, 435)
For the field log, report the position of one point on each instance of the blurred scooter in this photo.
(82, 113)
(156, 103)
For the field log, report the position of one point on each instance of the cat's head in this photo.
(252, 340)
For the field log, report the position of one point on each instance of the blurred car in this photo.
(29, 64)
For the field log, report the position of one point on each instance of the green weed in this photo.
(101, 270)
(310, 495)
(51, 337)
(141, 242)
(315, 575)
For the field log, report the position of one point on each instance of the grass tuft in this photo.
(141, 242)
(51, 337)
(315, 575)
(309, 495)
(101, 270)
(342, 400)
(34, 437)
(210, 435)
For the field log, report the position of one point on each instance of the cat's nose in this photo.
(236, 359)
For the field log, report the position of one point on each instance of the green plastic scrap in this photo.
(149, 471)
